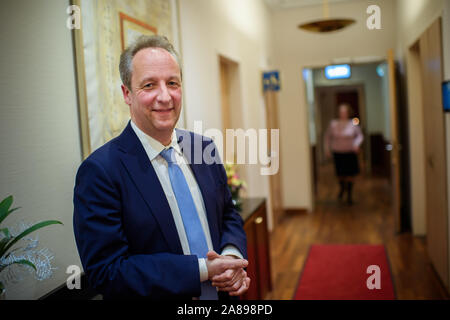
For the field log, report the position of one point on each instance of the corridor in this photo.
(368, 221)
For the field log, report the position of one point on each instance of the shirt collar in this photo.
(152, 146)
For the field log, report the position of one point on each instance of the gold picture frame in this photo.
(131, 28)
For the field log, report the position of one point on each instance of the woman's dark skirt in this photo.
(346, 164)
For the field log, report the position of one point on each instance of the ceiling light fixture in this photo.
(326, 24)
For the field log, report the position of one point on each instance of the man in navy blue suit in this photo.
(153, 216)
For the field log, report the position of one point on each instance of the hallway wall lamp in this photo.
(326, 24)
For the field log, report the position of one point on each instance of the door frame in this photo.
(275, 204)
(360, 88)
(393, 99)
(417, 144)
(395, 142)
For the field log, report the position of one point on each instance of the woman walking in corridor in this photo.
(343, 139)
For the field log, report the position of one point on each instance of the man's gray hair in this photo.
(143, 42)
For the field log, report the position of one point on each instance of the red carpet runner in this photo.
(339, 272)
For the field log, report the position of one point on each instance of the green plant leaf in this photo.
(11, 251)
(26, 263)
(28, 231)
(10, 211)
(4, 207)
(5, 232)
(3, 244)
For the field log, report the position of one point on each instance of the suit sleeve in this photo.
(109, 266)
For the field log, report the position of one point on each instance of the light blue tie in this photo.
(192, 225)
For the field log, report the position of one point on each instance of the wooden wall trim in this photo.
(295, 211)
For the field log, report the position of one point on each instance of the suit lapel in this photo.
(144, 176)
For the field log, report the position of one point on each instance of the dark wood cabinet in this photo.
(254, 214)
(253, 291)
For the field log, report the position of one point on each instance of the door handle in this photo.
(259, 220)
(394, 146)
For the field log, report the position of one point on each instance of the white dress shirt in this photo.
(153, 149)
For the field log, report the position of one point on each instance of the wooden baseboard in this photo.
(295, 211)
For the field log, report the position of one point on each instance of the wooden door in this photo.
(350, 97)
(225, 99)
(325, 113)
(395, 152)
(430, 45)
(270, 98)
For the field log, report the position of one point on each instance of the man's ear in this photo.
(126, 94)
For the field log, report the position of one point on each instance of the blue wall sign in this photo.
(271, 81)
(446, 95)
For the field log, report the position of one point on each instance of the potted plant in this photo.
(235, 184)
(29, 257)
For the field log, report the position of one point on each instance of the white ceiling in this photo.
(284, 4)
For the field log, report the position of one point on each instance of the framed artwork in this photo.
(131, 29)
(107, 28)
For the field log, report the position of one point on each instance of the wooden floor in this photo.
(369, 221)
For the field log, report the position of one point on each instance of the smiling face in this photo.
(155, 96)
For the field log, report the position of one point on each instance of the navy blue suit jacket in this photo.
(124, 228)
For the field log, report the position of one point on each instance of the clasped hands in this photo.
(227, 273)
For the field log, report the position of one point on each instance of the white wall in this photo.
(413, 18)
(40, 144)
(295, 49)
(241, 31)
(40, 150)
